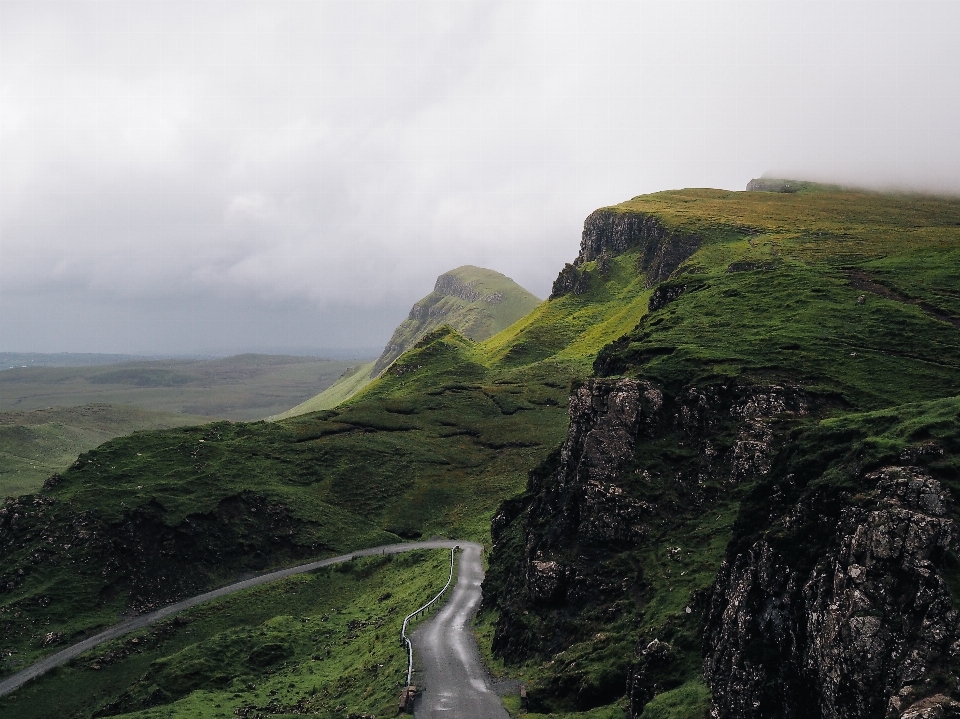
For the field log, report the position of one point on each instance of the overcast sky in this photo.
(223, 176)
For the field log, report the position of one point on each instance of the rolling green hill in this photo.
(476, 302)
(699, 411)
(38, 443)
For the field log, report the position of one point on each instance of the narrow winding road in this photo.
(450, 672)
(118, 630)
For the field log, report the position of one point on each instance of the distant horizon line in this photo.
(342, 353)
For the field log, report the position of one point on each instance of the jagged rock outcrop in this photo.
(869, 631)
(766, 184)
(608, 233)
(664, 295)
(428, 307)
(555, 548)
(571, 280)
(452, 286)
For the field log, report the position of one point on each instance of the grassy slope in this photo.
(310, 643)
(477, 320)
(34, 445)
(481, 319)
(500, 303)
(798, 317)
(349, 384)
(453, 427)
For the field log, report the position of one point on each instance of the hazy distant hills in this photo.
(476, 302)
(10, 360)
(243, 387)
(61, 405)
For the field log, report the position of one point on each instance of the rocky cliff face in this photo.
(832, 599)
(868, 631)
(608, 233)
(452, 286)
(604, 499)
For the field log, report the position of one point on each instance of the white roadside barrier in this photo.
(404, 639)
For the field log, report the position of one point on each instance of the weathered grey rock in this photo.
(754, 447)
(571, 280)
(603, 423)
(544, 581)
(937, 706)
(451, 286)
(764, 184)
(608, 233)
(642, 684)
(856, 636)
(587, 509)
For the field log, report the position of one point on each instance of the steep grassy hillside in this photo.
(476, 302)
(706, 352)
(350, 383)
(34, 445)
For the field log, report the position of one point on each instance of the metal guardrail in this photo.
(404, 639)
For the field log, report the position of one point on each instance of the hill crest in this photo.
(477, 302)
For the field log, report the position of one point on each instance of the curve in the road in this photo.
(404, 639)
(454, 683)
(14, 681)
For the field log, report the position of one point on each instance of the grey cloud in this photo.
(283, 160)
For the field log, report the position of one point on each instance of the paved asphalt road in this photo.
(118, 630)
(453, 679)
